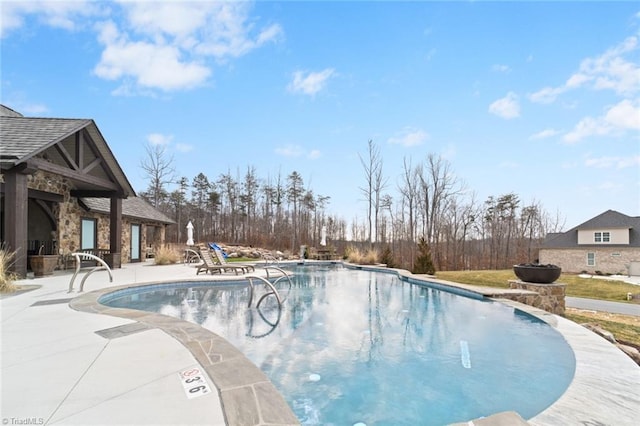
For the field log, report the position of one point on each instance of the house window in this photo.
(591, 259)
(88, 233)
(602, 237)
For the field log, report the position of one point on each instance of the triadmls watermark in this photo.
(22, 420)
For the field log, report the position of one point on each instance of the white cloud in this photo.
(609, 71)
(616, 121)
(314, 154)
(613, 162)
(624, 115)
(310, 83)
(409, 137)
(546, 95)
(68, 15)
(507, 107)
(544, 134)
(159, 139)
(154, 44)
(149, 65)
(183, 147)
(290, 151)
(587, 127)
(501, 68)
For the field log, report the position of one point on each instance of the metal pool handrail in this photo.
(97, 268)
(273, 291)
(189, 254)
(284, 275)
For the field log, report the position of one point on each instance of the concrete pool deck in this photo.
(63, 364)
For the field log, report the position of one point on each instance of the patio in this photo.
(62, 366)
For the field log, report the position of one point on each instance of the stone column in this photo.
(550, 296)
(114, 260)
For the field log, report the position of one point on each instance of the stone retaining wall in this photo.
(549, 297)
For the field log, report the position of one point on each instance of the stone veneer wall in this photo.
(609, 260)
(549, 297)
(69, 213)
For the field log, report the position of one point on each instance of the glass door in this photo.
(135, 243)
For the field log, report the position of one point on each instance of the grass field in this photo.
(625, 328)
(591, 288)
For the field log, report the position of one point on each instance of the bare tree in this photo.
(375, 184)
(159, 170)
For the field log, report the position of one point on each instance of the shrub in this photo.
(370, 257)
(387, 257)
(352, 254)
(6, 277)
(423, 263)
(165, 255)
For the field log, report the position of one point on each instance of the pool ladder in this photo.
(86, 256)
(272, 290)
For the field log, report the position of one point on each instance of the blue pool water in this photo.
(352, 346)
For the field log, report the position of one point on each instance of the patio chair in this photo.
(210, 266)
(223, 262)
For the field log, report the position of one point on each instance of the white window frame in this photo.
(591, 259)
(601, 237)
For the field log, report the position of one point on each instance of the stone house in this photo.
(63, 191)
(608, 244)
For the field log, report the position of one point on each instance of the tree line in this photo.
(428, 204)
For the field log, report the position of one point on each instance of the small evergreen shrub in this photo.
(387, 257)
(423, 263)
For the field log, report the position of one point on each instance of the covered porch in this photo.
(47, 165)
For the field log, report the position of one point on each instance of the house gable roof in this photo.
(26, 140)
(132, 207)
(610, 219)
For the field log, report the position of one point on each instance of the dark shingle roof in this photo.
(5, 111)
(133, 207)
(610, 219)
(23, 138)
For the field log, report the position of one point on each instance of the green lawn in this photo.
(592, 288)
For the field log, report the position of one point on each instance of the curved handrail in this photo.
(97, 268)
(272, 325)
(269, 259)
(284, 275)
(188, 254)
(273, 291)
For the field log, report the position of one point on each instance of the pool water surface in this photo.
(352, 346)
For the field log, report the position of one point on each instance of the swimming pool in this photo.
(353, 346)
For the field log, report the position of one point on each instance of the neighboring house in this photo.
(63, 191)
(608, 244)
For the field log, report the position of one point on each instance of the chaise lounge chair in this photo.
(223, 262)
(210, 266)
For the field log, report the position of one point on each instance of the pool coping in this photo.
(600, 392)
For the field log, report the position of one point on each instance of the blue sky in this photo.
(536, 98)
